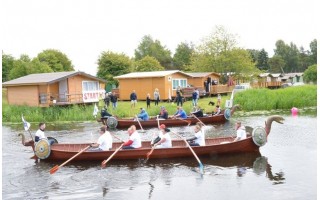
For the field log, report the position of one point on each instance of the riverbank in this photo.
(252, 101)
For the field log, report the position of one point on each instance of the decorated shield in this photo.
(260, 165)
(112, 122)
(259, 136)
(227, 113)
(42, 149)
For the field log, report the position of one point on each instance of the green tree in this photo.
(254, 54)
(262, 62)
(113, 64)
(148, 63)
(149, 47)
(7, 65)
(310, 75)
(313, 49)
(20, 67)
(290, 55)
(37, 67)
(182, 56)
(56, 60)
(276, 64)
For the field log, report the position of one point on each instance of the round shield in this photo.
(42, 149)
(259, 136)
(227, 113)
(260, 165)
(112, 122)
(53, 139)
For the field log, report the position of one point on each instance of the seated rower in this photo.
(163, 140)
(180, 113)
(134, 139)
(163, 113)
(241, 133)
(143, 115)
(105, 113)
(217, 111)
(198, 139)
(104, 142)
(197, 112)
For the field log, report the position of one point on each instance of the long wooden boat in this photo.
(214, 146)
(114, 122)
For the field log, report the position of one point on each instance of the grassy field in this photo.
(249, 100)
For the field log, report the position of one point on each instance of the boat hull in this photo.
(180, 149)
(126, 123)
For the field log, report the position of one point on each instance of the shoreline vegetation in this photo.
(252, 101)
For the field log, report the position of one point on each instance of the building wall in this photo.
(23, 95)
(198, 82)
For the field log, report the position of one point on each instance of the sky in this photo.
(83, 29)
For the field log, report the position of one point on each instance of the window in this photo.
(179, 82)
(90, 86)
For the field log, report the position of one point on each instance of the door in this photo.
(63, 90)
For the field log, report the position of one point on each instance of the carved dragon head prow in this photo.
(276, 118)
(24, 142)
(234, 108)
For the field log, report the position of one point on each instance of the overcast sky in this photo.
(82, 29)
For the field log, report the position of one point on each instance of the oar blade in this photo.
(201, 168)
(54, 169)
(104, 164)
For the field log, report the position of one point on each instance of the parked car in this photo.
(284, 85)
(239, 88)
(298, 84)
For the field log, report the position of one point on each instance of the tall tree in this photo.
(20, 67)
(113, 64)
(276, 64)
(7, 65)
(262, 62)
(254, 54)
(290, 55)
(148, 63)
(182, 56)
(149, 47)
(56, 60)
(313, 49)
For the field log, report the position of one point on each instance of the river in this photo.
(285, 168)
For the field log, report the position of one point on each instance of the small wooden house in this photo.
(58, 88)
(146, 82)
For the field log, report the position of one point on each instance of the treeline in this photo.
(218, 52)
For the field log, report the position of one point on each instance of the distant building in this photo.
(58, 88)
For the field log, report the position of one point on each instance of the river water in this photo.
(285, 168)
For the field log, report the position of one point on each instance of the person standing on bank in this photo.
(104, 142)
(40, 134)
(114, 100)
(156, 95)
(148, 100)
(179, 96)
(133, 99)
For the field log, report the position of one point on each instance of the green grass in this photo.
(249, 100)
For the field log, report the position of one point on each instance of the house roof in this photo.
(276, 75)
(46, 78)
(201, 74)
(149, 74)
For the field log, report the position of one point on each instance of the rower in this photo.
(134, 139)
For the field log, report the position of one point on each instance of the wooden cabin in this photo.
(58, 88)
(146, 82)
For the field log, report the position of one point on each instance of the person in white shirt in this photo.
(241, 133)
(165, 139)
(40, 134)
(199, 138)
(104, 142)
(134, 139)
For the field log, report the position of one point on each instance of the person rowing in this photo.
(199, 138)
(180, 113)
(134, 139)
(163, 140)
(104, 142)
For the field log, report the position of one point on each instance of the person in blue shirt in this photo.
(133, 98)
(195, 98)
(180, 113)
(143, 115)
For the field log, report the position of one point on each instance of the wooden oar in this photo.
(116, 137)
(142, 130)
(103, 164)
(184, 121)
(198, 119)
(55, 168)
(149, 154)
(195, 155)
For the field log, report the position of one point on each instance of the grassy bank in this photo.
(250, 100)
